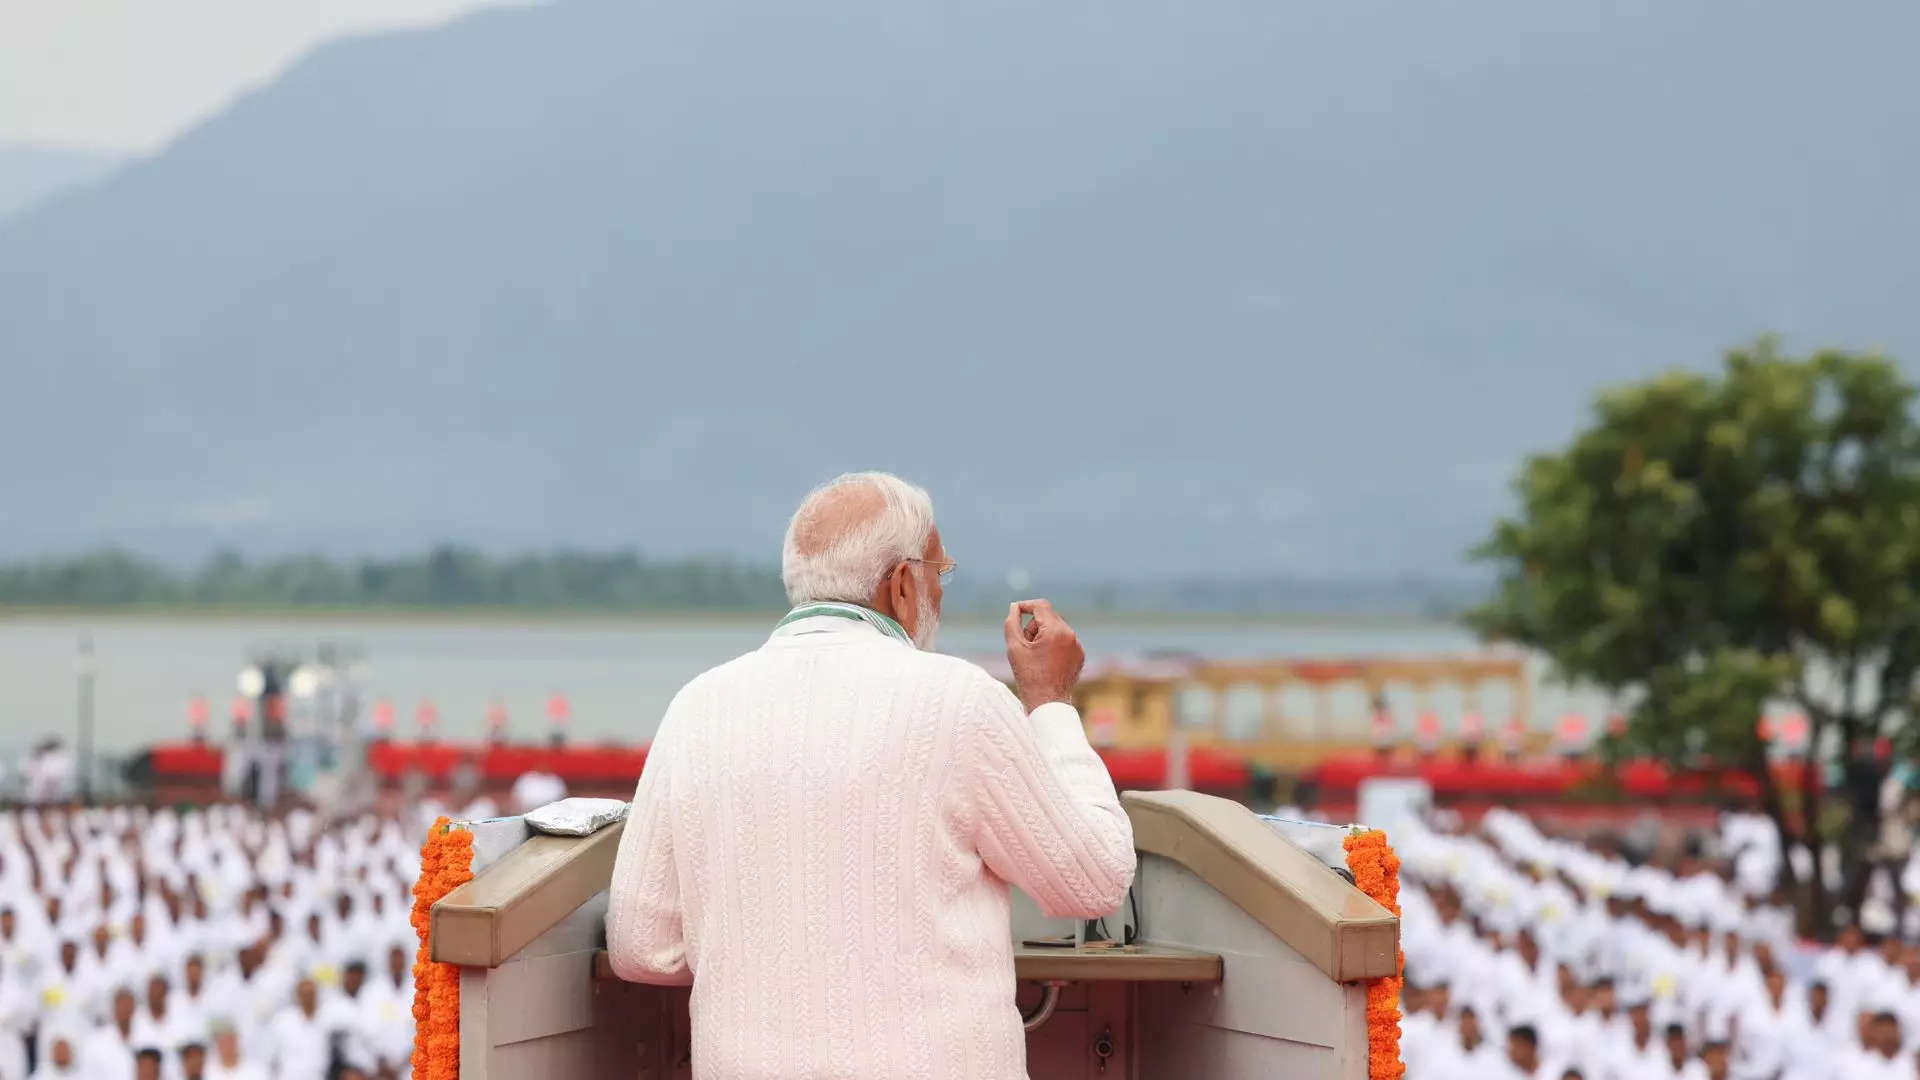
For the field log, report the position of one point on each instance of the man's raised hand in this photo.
(1045, 654)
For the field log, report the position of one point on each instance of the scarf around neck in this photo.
(836, 610)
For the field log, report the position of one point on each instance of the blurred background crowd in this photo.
(217, 943)
(1532, 955)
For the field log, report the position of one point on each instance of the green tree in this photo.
(1712, 545)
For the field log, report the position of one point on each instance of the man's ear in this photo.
(886, 598)
(900, 590)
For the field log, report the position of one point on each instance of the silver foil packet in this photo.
(576, 817)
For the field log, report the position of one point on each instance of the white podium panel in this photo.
(1251, 963)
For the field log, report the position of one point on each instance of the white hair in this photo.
(849, 567)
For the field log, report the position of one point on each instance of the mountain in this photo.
(1138, 289)
(30, 173)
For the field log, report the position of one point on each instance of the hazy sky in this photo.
(127, 75)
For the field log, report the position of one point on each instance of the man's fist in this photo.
(1045, 654)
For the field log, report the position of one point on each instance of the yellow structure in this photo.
(1284, 714)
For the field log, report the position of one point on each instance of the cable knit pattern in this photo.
(821, 844)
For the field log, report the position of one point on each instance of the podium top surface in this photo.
(1334, 926)
(1131, 963)
(1145, 962)
(520, 896)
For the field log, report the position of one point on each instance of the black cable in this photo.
(1128, 933)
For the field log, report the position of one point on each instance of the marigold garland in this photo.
(446, 861)
(1376, 872)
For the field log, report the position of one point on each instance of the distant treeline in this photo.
(447, 576)
(451, 576)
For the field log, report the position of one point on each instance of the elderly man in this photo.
(824, 834)
(227, 1063)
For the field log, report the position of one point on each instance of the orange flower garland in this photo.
(446, 861)
(1376, 872)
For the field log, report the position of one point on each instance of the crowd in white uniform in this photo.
(218, 944)
(225, 944)
(1534, 957)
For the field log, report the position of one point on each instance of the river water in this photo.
(618, 674)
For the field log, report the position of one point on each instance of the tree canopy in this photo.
(1713, 545)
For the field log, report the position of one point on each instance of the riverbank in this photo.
(618, 671)
(505, 615)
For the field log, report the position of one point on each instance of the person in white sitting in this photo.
(1765, 1030)
(61, 1059)
(1679, 1051)
(297, 1036)
(200, 998)
(19, 975)
(1713, 1063)
(1472, 1056)
(65, 990)
(130, 956)
(158, 1025)
(1638, 1054)
(1523, 1057)
(1881, 1059)
(342, 1017)
(1423, 1028)
(108, 1054)
(386, 1017)
(193, 1060)
(227, 1063)
(536, 788)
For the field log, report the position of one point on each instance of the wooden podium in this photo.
(1252, 963)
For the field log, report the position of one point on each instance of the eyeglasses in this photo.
(943, 567)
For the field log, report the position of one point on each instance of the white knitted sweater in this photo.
(821, 843)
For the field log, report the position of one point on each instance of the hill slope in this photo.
(30, 173)
(1137, 288)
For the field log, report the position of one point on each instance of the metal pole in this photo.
(83, 668)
